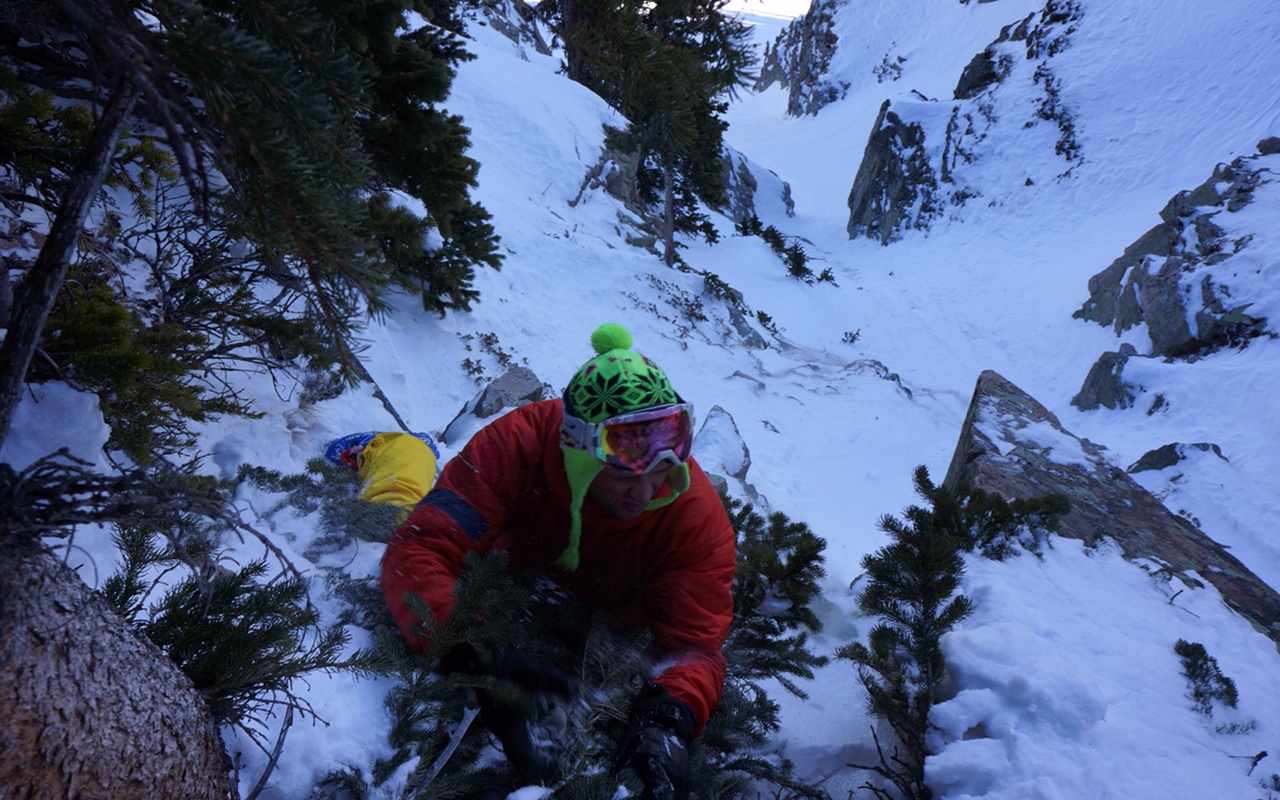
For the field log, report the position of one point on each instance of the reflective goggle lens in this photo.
(643, 440)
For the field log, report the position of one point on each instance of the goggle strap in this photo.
(579, 432)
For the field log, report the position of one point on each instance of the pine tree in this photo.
(428, 708)
(283, 124)
(779, 573)
(778, 577)
(911, 588)
(1205, 677)
(241, 641)
(244, 635)
(986, 522)
(244, 640)
(410, 73)
(911, 583)
(664, 66)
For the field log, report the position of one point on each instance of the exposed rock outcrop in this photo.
(516, 20)
(1190, 268)
(1104, 386)
(722, 453)
(514, 388)
(799, 57)
(991, 65)
(745, 182)
(895, 187)
(748, 185)
(615, 173)
(1012, 445)
(921, 156)
(1167, 455)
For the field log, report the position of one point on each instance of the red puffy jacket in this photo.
(669, 570)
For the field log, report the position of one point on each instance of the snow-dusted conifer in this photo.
(911, 590)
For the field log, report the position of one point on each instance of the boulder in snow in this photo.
(723, 454)
(1193, 269)
(1012, 445)
(1170, 454)
(514, 388)
(1104, 386)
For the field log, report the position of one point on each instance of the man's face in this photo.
(625, 494)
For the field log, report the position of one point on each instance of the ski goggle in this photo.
(638, 441)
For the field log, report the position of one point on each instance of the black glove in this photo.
(512, 710)
(511, 665)
(657, 745)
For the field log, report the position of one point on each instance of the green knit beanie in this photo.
(615, 381)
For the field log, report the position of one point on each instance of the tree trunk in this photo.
(574, 67)
(6, 292)
(669, 216)
(35, 295)
(89, 709)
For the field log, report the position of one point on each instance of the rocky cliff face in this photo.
(1012, 445)
(518, 21)
(923, 155)
(799, 57)
(1193, 281)
(896, 187)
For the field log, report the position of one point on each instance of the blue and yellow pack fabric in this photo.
(397, 468)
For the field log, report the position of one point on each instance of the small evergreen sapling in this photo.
(342, 522)
(1210, 688)
(779, 573)
(426, 707)
(988, 524)
(332, 493)
(911, 588)
(912, 584)
(779, 569)
(244, 636)
(453, 758)
(1205, 678)
(793, 254)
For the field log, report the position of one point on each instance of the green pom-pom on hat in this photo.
(610, 336)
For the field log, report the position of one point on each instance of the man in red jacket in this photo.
(597, 490)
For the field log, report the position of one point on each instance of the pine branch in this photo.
(59, 492)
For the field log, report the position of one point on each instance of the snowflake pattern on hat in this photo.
(615, 382)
